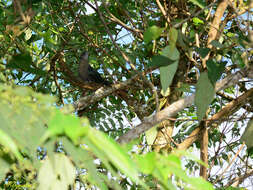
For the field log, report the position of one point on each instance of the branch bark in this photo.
(101, 93)
(179, 105)
(204, 150)
(215, 27)
(230, 108)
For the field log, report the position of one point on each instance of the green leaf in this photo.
(171, 52)
(28, 34)
(56, 173)
(215, 70)
(56, 124)
(46, 175)
(200, 183)
(248, 134)
(167, 74)
(144, 162)
(106, 148)
(151, 135)
(202, 51)
(216, 44)
(173, 33)
(199, 3)
(66, 124)
(64, 168)
(5, 167)
(48, 37)
(230, 34)
(185, 88)
(34, 37)
(197, 21)
(204, 95)
(152, 33)
(24, 62)
(28, 118)
(159, 60)
(7, 142)
(78, 154)
(182, 41)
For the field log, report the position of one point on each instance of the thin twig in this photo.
(193, 15)
(127, 59)
(163, 11)
(230, 163)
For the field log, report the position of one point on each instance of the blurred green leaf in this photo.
(79, 154)
(7, 142)
(202, 51)
(56, 173)
(151, 135)
(112, 152)
(28, 34)
(152, 33)
(66, 124)
(197, 21)
(144, 162)
(230, 34)
(199, 3)
(28, 118)
(216, 44)
(5, 167)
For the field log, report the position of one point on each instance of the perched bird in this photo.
(87, 73)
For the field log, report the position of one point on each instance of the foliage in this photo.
(158, 55)
(58, 169)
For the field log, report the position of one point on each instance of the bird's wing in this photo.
(94, 76)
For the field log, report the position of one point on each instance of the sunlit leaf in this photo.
(151, 135)
(28, 34)
(56, 173)
(64, 168)
(144, 162)
(197, 21)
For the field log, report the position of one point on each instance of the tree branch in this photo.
(101, 93)
(179, 105)
(231, 107)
